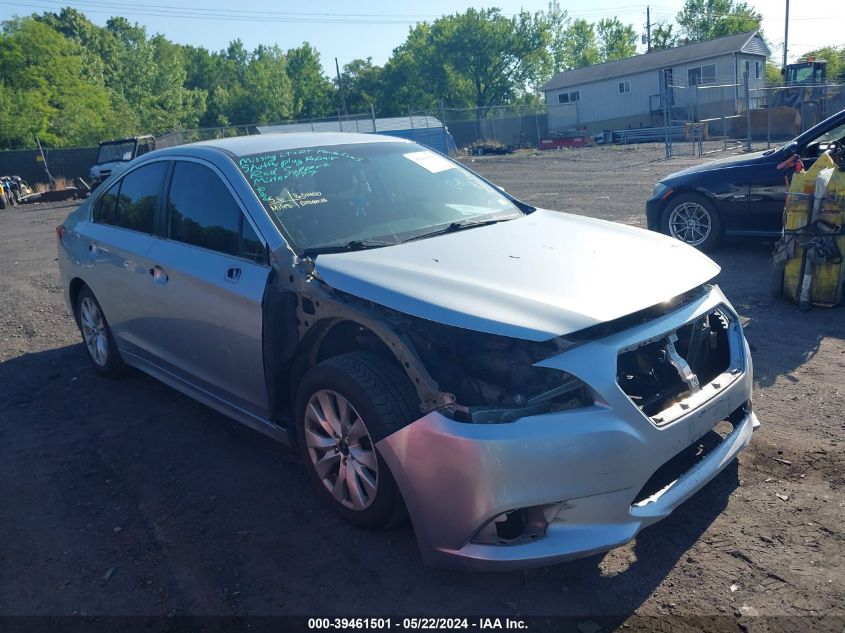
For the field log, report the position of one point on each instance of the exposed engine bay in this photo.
(485, 378)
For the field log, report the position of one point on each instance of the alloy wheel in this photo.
(341, 450)
(94, 331)
(691, 223)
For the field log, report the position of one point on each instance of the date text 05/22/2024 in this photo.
(418, 623)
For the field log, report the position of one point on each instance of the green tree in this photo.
(415, 74)
(265, 95)
(580, 42)
(773, 75)
(615, 40)
(663, 36)
(99, 46)
(701, 20)
(556, 22)
(169, 104)
(47, 92)
(312, 91)
(362, 84)
(835, 57)
(133, 62)
(498, 57)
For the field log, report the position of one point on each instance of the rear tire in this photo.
(96, 335)
(345, 405)
(692, 219)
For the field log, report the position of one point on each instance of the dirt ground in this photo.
(126, 497)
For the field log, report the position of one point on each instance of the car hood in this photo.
(543, 275)
(755, 158)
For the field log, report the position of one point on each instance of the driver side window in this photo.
(202, 212)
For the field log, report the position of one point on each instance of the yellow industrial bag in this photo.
(828, 278)
(825, 287)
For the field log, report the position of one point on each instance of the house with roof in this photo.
(700, 80)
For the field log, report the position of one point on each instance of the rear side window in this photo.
(139, 197)
(202, 212)
(105, 205)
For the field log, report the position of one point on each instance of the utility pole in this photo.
(340, 87)
(785, 37)
(44, 160)
(648, 27)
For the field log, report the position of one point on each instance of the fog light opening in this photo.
(517, 526)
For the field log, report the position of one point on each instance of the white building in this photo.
(701, 81)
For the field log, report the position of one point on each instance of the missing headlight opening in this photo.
(493, 377)
(664, 372)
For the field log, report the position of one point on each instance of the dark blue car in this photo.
(739, 196)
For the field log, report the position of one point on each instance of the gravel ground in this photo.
(125, 497)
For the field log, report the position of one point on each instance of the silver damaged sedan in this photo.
(527, 386)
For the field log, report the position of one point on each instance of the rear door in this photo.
(209, 275)
(119, 241)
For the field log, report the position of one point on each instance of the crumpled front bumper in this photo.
(455, 477)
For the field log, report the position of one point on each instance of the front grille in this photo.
(663, 376)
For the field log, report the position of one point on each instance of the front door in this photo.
(207, 284)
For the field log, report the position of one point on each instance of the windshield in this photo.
(123, 150)
(800, 74)
(812, 143)
(835, 134)
(378, 192)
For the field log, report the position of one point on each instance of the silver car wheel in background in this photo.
(94, 331)
(691, 223)
(341, 450)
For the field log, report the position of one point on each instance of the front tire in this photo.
(692, 219)
(96, 335)
(345, 406)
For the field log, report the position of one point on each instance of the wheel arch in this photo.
(328, 338)
(74, 288)
(687, 190)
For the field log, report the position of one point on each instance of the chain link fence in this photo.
(735, 116)
(779, 113)
(720, 115)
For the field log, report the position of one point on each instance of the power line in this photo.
(162, 10)
(238, 15)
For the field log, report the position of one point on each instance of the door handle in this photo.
(95, 249)
(158, 274)
(233, 274)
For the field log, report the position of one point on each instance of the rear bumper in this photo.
(585, 467)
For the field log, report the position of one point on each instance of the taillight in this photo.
(60, 233)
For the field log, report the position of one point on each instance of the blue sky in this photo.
(347, 30)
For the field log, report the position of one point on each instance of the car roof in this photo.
(276, 141)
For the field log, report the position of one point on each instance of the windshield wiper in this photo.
(460, 225)
(353, 245)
